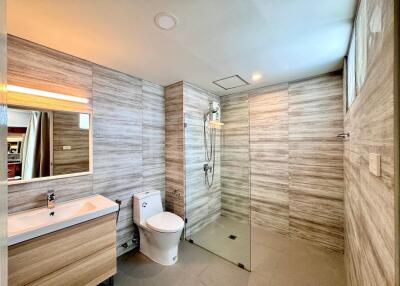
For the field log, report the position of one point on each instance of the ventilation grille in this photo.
(231, 82)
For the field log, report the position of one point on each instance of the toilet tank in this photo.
(146, 204)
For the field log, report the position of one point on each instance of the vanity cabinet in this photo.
(83, 254)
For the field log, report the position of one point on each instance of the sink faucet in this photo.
(51, 199)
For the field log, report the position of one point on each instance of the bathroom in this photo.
(244, 143)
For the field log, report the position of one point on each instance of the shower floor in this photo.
(216, 237)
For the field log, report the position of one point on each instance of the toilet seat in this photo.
(165, 222)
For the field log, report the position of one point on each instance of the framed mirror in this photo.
(47, 143)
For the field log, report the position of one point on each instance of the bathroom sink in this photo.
(33, 223)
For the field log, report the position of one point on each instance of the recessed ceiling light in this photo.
(256, 76)
(165, 21)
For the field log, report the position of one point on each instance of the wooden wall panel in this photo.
(202, 204)
(3, 145)
(316, 160)
(369, 200)
(34, 66)
(117, 142)
(174, 150)
(235, 157)
(66, 132)
(269, 155)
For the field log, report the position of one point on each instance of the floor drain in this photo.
(233, 237)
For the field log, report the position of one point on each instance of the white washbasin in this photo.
(33, 223)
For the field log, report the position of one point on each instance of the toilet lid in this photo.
(165, 222)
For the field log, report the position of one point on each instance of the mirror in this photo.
(44, 143)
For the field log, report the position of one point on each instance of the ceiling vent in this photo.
(230, 82)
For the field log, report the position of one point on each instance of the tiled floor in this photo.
(215, 238)
(276, 261)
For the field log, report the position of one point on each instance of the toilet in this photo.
(159, 231)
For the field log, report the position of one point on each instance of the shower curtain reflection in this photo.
(36, 147)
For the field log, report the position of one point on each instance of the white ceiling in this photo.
(284, 40)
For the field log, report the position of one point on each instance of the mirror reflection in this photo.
(44, 143)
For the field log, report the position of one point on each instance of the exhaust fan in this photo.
(231, 82)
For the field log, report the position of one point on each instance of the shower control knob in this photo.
(206, 168)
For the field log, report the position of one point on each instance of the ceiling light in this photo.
(37, 92)
(256, 76)
(165, 21)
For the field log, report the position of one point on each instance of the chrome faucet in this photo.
(51, 199)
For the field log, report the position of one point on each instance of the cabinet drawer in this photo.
(89, 271)
(33, 259)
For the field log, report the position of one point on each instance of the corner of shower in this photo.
(217, 204)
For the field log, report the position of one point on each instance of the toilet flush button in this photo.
(144, 205)
(375, 164)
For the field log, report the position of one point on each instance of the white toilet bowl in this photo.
(159, 231)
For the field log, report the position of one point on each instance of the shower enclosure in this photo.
(217, 185)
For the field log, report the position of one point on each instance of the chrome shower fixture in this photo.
(211, 123)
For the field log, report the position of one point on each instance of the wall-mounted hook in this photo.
(345, 135)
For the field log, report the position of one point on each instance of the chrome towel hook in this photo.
(345, 135)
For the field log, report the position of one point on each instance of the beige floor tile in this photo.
(258, 280)
(264, 260)
(221, 273)
(277, 261)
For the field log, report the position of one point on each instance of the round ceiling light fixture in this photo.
(165, 21)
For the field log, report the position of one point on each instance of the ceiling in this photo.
(283, 40)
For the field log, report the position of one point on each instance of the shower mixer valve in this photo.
(207, 168)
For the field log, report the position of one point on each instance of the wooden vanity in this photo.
(80, 254)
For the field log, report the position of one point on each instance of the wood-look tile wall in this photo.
(117, 142)
(34, 66)
(202, 204)
(296, 162)
(174, 150)
(316, 161)
(235, 157)
(153, 137)
(186, 192)
(3, 146)
(128, 130)
(369, 200)
(269, 155)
